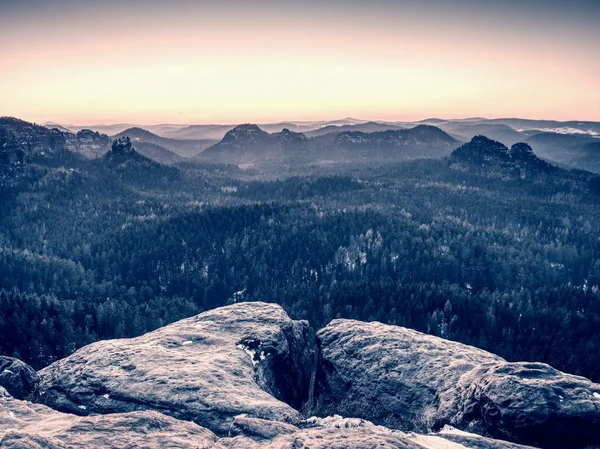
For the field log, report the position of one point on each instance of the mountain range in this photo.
(23, 142)
(249, 143)
(571, 143)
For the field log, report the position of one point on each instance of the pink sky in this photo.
(194, 62)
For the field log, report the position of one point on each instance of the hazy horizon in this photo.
(291, 121)
(90, 62)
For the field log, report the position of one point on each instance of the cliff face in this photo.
(241, 376)
(91, 144)
(21, 141)
(24, 142)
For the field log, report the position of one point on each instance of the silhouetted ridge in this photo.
(430, 133)
(21, 141)
(248, 142)
(246, 131)
(481, 150)
(484, 152)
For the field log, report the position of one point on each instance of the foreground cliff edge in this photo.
(246, 376)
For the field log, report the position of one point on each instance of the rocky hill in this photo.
(23, 142)
(163, 149)
(368, 127)
(487, 154)
(420, 141)
(88, 143)
(127, 163)
(249, 143)
(247, 376)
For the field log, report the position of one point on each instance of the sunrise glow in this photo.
(235, 61)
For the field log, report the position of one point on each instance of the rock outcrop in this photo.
(122, 147)
(246, 358)
(237, 377)
(23, 142)
(91, 144)
(485, 153)
(24, 425)
(408, 380)
(17, 378)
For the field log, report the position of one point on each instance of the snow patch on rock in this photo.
(435, 442)
(449, 430)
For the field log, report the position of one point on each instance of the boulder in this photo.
(18, 379)
(531, 402)
(407, 380)
(247, 358)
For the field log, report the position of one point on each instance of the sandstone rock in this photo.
(260, 429)
(19, 379)
(247, 358)
(335, 432)
(408, 380)
(533, 403)
(24, 425)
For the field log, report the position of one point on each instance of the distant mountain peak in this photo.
(245, 132)
(136, 132)
(481, 149)
(247, 128)
(250, 143)
(485, 152)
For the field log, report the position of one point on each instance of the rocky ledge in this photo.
(24, 425)
(246, 376)
(245, 359)
(407, 380)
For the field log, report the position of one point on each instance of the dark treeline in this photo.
(511, 266)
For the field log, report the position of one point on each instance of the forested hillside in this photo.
(111, 248)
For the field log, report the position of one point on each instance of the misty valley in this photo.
(473, 241)
(460, 237)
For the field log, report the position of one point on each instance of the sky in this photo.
(234, 61)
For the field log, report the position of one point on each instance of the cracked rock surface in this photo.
(248, 358)
(407, 380)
